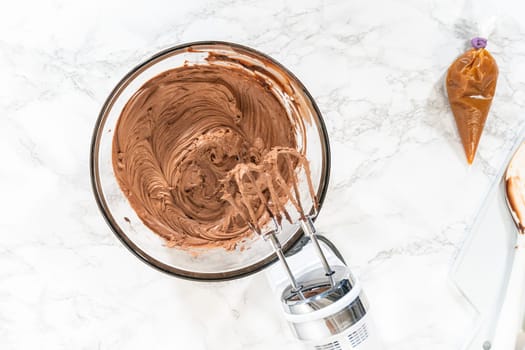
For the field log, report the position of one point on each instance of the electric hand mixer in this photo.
(323, 303)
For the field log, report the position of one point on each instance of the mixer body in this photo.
(358, 337)
(329, 312)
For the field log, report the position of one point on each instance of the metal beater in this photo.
(321, 299)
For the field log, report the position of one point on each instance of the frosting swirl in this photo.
(178, 137)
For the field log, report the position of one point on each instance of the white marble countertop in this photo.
(401, 195)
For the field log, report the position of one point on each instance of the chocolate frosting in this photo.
(515, 186)
(471, 84)
(251, 188)
(178, 137)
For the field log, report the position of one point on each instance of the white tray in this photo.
(482, 267)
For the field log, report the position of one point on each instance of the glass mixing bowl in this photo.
(218, 263)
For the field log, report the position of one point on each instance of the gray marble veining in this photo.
(399, 175)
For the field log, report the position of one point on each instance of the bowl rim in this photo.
(115, 228)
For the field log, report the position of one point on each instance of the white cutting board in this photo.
(482, 268)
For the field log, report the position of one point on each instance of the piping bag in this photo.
(471, 84)
(471, 79)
